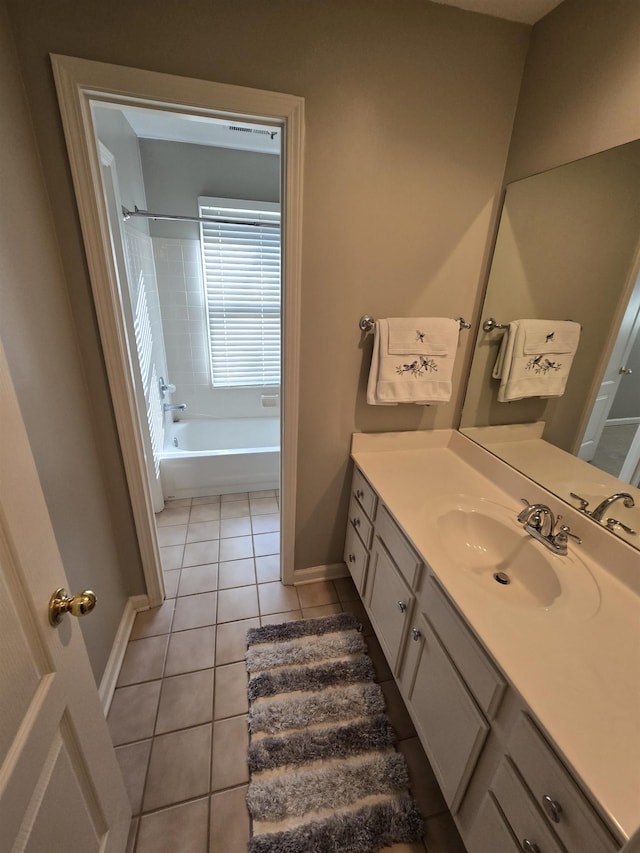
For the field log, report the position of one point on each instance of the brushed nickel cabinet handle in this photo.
(552, 808)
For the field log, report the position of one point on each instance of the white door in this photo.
(61, 790)
(614, 374)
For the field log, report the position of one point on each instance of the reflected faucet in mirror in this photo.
(603, 506)
(568, 245)
(612, 523)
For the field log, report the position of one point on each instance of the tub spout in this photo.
(174, 407)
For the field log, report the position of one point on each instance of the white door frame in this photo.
(630, 470)
(627, 332)
(615, 351)
(78, 83)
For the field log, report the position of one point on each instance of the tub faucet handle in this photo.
(165, 387)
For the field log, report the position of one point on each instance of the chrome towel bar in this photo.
(491, 324)
(367, 324)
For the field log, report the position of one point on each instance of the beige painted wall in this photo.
(581, 86)
(37, 330)
(409, 108)
(175, 174)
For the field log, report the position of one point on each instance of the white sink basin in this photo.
(485, 541)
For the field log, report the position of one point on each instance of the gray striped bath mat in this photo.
(325, 776)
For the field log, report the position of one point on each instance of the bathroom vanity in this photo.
(519, 667)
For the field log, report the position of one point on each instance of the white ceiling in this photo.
(202, 130)
(524, 11)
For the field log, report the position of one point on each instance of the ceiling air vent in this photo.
(237, 129)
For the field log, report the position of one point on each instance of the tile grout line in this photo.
(171, 633)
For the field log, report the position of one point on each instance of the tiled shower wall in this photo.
(147, 321)
(179, 272)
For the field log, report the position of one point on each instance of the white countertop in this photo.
(579, 676)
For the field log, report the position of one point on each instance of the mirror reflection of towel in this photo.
(412, 361)
(535, 358)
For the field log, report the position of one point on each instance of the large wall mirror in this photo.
(568, 248)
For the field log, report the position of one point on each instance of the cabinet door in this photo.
(364, 494)
(389, 601)
(356, 557)
(408, 563)
(490, 832)
(452, 728)
(525, 819)
(566, 810)
(358, 521)
(485, 683)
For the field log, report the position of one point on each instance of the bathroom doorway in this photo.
(153, 377)
(196, 240)
(611, 441)
(196, 233)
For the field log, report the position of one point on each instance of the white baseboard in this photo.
(325, 572)
(110, 676)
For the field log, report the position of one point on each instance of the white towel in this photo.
(535, 358)
(412, 361)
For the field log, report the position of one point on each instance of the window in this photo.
(241, 261)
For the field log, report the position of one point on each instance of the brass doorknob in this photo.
(77, 605)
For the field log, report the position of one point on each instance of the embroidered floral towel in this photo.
(535, 358)
(412, 361)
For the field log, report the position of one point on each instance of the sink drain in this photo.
(502, 578)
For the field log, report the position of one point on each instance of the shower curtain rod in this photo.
(127, 214)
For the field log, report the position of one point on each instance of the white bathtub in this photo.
(213, 456)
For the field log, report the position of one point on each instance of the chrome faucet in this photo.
(174, 407)
(539, 521)
(599, 511)
(537, 516)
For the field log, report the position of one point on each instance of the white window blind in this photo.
(242, 287)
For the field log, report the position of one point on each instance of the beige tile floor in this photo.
(178, 716)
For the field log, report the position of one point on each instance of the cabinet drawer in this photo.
(364, 494)
(405, 558)
(358, 521)
(490, 833)
(569, 813)
(356, 557)
(390, 603)
(526, 822)
(480, 675)
(452, 729)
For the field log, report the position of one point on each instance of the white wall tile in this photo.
(181, 296)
